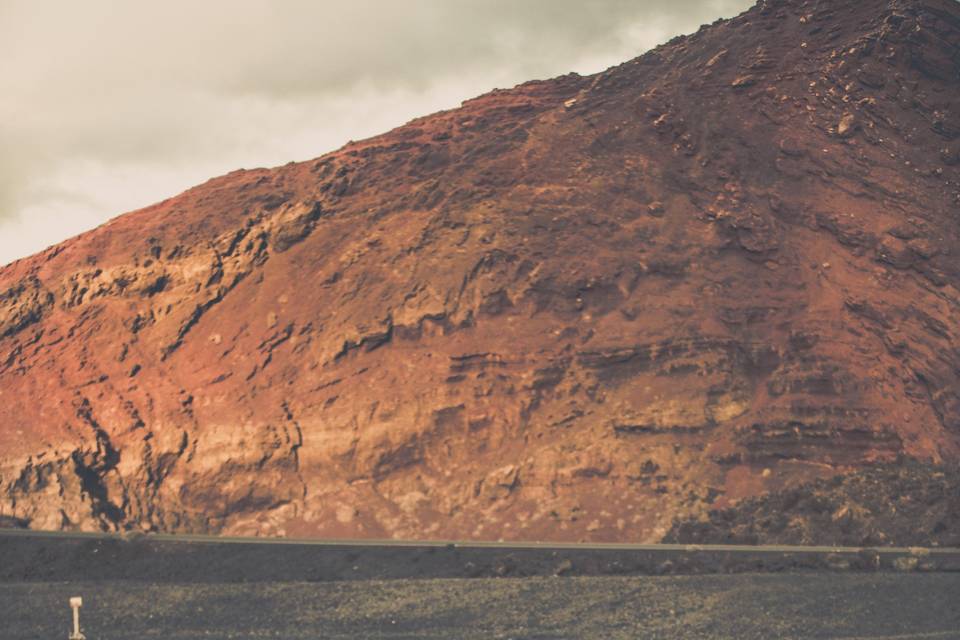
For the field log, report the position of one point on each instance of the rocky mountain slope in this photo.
(573, 310)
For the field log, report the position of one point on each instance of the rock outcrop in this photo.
(573, 310)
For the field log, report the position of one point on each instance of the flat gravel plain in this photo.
(743, 606)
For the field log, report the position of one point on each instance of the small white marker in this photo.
(75, 604)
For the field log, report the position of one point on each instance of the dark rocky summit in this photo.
(578, 309)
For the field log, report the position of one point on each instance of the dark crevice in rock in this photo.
(92, 468)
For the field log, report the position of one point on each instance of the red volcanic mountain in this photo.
(574, 310)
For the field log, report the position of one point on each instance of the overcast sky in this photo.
(110, 105)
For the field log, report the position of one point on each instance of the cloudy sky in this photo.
(109, 105)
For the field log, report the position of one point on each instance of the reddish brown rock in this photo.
(472, 327)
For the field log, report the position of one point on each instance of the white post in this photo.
(75, 604)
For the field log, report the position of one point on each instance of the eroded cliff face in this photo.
(572, 310)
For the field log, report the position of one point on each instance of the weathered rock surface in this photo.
(576, 309)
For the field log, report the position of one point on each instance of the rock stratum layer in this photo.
(573, 310)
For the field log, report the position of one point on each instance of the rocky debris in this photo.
(847, 125)
(578, 309)
(905, 505)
